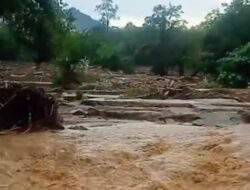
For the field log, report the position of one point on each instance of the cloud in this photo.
(136, 10)
(124, 19)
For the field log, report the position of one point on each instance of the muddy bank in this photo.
(199, 112)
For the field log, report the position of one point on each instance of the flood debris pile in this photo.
(147, 86)
(26, 72)
(27, 109)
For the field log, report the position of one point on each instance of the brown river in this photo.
(128, 155)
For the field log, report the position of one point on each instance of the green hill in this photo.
(83, 21)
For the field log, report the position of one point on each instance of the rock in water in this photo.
(72, 96)
(78, 128)
(78, 112)
(245, 114)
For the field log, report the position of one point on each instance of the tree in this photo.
(35, 24)
(108, 11)
(234, 69)
(8, 45)
(165, 20)
(228, 31)
(210, 19)
(11, 6)
(193, 39)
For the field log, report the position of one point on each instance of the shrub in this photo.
(209, 83)
(143, 55)
(234, 70)
(72, 50)
(128, 66)
(66, 78)
(8, 45)
(232, 80)
(108, 58)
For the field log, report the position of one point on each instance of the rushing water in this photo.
(139, 155)
(127, 155)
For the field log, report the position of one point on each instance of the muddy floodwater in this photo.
(210, 153)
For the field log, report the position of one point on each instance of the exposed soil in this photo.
(140, 85)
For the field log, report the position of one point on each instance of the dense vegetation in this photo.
(42, 31)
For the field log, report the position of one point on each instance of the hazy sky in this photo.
(137, 10)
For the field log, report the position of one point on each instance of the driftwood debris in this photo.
(26, 83)
(27, 109)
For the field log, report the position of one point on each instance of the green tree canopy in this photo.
(35, 23)
(108, 11)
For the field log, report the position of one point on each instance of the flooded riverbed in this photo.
(130, 154)
(138, 155)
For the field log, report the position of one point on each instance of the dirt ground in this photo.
(142, 84)
(115, 139)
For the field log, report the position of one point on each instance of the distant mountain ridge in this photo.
(82, 21)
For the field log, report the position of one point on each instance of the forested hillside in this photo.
(82, 21)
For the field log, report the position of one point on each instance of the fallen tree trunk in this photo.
(26, 83)
(28, 109)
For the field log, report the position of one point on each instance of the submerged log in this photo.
(28, 108)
